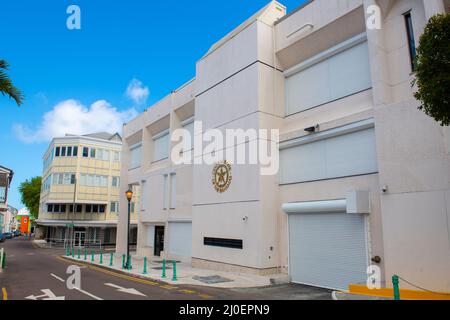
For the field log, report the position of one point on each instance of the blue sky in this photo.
(149, 47)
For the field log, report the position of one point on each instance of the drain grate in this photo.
(160, 268)
(212, 279)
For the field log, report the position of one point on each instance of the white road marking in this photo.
(56, 277)
(48, 295)
(125, 290)
(87, 293)
(78, 289)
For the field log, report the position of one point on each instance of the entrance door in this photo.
(80, 239)
(159, 240)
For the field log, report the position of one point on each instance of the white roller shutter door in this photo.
(180, 238)
(328, 250)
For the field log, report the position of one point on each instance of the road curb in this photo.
(122, 272)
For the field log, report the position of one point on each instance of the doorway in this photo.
(80, 239)
(159, 240)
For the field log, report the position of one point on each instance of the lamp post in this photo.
(129, 195)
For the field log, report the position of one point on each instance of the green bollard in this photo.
(111, 260)
(85, 254)
(67, 252)
(73, 252)
(79, 253)
(395, 282)
(4, 261)
(123, 261)
(164, 269)
(174, 278)
(145, 266)
(129, 265)
(92, 256)
(101, 257)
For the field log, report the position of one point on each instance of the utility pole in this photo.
(72, 226)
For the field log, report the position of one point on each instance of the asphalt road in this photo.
(39, 274)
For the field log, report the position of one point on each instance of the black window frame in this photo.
(79, 208)
(410, 39)
(85, 152)
(75, 151)
(223, 243)
(63, 151)
(95, 208)
(57, 151)
(88, 208)
(50, 208)
(69, 151)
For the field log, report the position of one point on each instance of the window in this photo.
(88, 208)
(116, 156)
(189, 126)
(101, 208)
(79, 208)
(135, 156)
(114, 207)
(411, 41)
(173, 191)
(69, 151)
(334, 156)
(144, 194)
(331, 75)
(224, 243)
(161, 146)
(57, 151)
(63, 151)
(63, 208)
(165, 191)
(93, 151)
(90, 180)
(75, 152)
(115, 182)
(95, 208)
(50, 208)
(85, 152)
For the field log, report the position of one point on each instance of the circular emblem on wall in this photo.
(221, 176)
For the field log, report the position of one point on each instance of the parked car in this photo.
(8, 235)
(2, 237)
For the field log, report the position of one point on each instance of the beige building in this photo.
(80, 186)
(363, 177)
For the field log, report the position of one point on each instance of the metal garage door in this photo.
(180, 238)
(328, 250)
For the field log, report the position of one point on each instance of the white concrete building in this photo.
(364, 176)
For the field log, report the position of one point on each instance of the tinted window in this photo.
(85, 152)
(57, 150)
(75, 151)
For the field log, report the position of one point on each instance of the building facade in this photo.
(363, 174)
(6, 176)
(80, 187)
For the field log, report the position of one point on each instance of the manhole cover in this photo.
(160, 268)
(211, 279)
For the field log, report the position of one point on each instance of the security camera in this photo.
(385, 189)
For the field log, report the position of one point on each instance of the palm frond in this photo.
(6, 85)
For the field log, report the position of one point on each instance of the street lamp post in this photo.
(129, 195)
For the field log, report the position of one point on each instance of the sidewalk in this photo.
(184, 272)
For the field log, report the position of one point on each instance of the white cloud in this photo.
(137, 92)
(70, 116)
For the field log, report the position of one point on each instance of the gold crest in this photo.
(221, 176)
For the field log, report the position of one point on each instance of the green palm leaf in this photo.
(6, 85)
